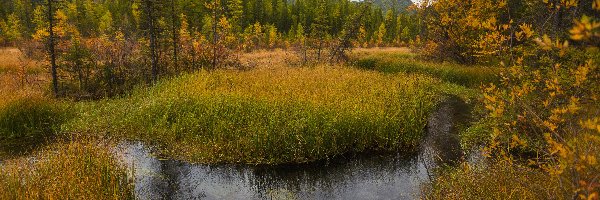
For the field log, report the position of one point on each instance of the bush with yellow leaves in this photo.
(546, 109)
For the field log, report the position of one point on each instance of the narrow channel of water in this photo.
(378, 176)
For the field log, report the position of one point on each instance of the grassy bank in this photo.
(288, 115)
(31, 116)
(495, 181)
(406, 62)
(73, 170)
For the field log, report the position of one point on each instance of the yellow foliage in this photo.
(472, 27)
(584, 28)
(548, 91)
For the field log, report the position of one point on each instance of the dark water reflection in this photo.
(366, 176)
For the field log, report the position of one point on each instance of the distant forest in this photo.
(21, 19)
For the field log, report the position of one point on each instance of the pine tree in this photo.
(106, 24)
(320, 26)
(351, 30)
(174, 34)
(214, 6)
(362, 36)
(235, 14)
(11, 29)
(381, 32)
(150, 10)
(272, 35)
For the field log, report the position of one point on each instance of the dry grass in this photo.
(400, 60)
(268, 59)
(11, 59)
(497, 180)
(20, 77)
(68, 170)
(65, 170)
(359, 52)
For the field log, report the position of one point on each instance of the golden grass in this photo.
(361, 52)
(67, 170)
(20, 77)
(10, 59)
(497, 180)
(13, 61)
(268, 59)
(330, 86)
(402, 61)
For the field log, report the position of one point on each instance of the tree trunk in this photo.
(214, 42)
(174, 34)
(319, 49)
(51, 49)
(152, 29)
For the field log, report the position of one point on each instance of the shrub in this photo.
(545, 111)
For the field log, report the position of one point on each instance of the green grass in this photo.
(386, 62)
(270, 116)
(31, 116)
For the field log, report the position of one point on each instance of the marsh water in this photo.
(365, 176)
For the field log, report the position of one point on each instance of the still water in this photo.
(366, 176)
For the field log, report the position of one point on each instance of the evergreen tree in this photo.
(12, 29)
(320, 26)
(174, 33)
(106, 24)
(235, 14)
(149, 20)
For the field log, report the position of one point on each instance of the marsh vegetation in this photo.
(300, 88)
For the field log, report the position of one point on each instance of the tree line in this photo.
(20, 19)
(100, 48)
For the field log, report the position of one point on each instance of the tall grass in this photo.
(496, 181)
(73, 170)
(394, 62)
(31, 116)
(288, 115)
